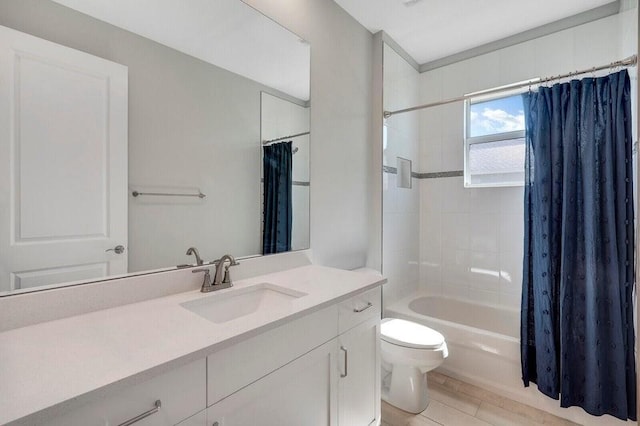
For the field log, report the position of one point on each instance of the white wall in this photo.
(400, 249)
(471, 239)
(341, 147)
(280, 117)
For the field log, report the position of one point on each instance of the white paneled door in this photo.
(63, 163)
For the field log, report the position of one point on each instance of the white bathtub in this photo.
(483, 341)
(484, 349)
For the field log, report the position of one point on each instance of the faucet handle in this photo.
(206, 282)
(227, 277)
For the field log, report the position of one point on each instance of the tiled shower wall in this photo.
(471, 239)
(400, 236)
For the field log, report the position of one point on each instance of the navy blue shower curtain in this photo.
(577, 338)
(277, 206)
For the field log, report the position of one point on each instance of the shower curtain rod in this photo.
(627, 62)
(285, 137)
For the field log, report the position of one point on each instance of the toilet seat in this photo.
(409, 334)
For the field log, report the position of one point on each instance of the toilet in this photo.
(409, 351)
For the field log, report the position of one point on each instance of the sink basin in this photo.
(234, 304)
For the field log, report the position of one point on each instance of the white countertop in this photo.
(50, 367)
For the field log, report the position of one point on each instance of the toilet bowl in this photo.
(409, 351)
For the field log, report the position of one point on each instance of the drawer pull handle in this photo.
(136, 419)
(346, 362)
(357, 311)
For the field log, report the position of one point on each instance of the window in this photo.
(494, 142)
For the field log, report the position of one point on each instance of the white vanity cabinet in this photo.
(321, 368)
(276, 379)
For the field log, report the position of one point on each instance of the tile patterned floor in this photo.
(456, 403)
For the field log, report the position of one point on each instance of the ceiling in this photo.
(226, 33)
(433, 29)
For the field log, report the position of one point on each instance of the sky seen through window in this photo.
(496, 116)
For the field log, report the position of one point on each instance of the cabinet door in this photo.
(359, 384)
(302, 392)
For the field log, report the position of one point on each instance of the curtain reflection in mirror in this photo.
(278, 208)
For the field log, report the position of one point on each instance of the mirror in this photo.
(132, 131)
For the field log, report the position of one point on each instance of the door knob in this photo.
(119, 249)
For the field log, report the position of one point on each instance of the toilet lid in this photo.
(410, 334)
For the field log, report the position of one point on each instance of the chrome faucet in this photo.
(219, 282)
(220, 263)
(194, 251)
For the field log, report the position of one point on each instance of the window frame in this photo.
(497, 137)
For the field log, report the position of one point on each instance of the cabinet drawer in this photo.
(182, 393)
(358, 309)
